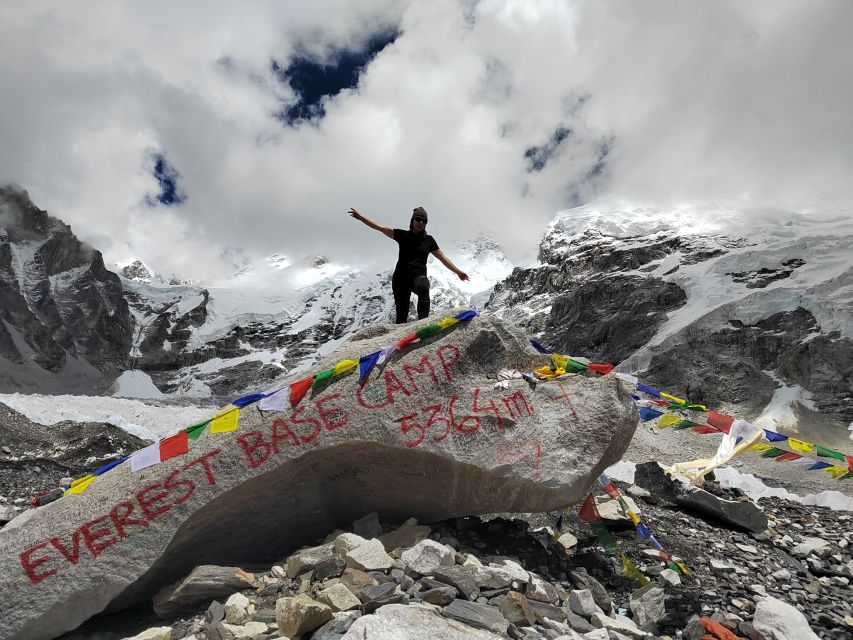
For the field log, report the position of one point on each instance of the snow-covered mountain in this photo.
(748, 309)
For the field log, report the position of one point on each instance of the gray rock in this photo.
(356, 580)
(577, 623)
(300, 614)
(306, 559)
(582, 580)
(516, 609)
(582, 603)
(331, 567)
(479, 616)
(226, 495)
(745, 515)
(339, 598)
(648, 607)
(335, 628)
(540, 590)
(370, 556)
(406, 535)
(777, 620)
(395, 622)
(368, 526)
(427, 555)
(817, 546)
(460, 577)
(544, 610)
(205, 583)
(439, 596)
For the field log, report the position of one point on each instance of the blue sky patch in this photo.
(171, 194)
(313, 80)
(538, 157)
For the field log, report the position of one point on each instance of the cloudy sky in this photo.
(198, 135)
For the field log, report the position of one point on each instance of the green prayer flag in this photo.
(575, 366)
(829, 453)
(428, 330)
(321, 378)
(194, 432)
(849, 474)
(684, 424)
(773, 452)
(604, 537)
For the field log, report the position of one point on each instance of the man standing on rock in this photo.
(410, 272)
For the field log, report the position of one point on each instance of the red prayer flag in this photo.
(299, 389)
(173, 446)
(788, 456)
(409, 339)
(603, 369)
(720, 420)
(849, 463)
(611, 490)
(589, 512)
(704, 429)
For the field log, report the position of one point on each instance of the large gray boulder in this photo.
(429, 436)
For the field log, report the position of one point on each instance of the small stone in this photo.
(428, 555)
(248, 631)
(516, 609)
(670, 577)
(568, 541)
(747, 548)
(346, 542)
(477, 615)
(300, 614)
(440, 596)
(582, 603)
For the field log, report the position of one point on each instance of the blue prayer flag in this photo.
(774, 437)
(643, 531)
(649, 390)
(466, 315)
(819, 465)
(540, 347)
(116, 463)
(366, 364)
(647, 414)
(242, 402)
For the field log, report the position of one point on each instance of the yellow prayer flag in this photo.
(760, 447)
(634, 517)
(683, 568)
(632, 571)
(343, 366)
(226, 422)
(673, 398)
(446, 323)
(225, 410)
(799, 445)
(560, 361)
(667, 420)
(81, 484)
(836, 472)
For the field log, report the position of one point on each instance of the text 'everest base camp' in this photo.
(428, 436)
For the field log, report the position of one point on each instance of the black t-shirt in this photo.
(414, 251)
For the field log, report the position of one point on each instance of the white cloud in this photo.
(729, 101)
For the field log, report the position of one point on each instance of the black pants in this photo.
(403, 284)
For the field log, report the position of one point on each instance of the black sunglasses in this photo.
(419, 219)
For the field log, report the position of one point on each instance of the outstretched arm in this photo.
(438, 253)
(388, 231)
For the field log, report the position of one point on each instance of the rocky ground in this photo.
(509, 578)
(36, 458)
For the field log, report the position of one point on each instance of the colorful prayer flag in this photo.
(109, 466)
(675, 399)
(446, 323)
(145, 457)
(345, 365)
(836, 471)
(760, 447)
(466, 315)
(667, 420)
(225, 423)
(704, 429)
(799, 445)
(647, 413)
(788, 456)
(428, 330)
(174, 446)
(242, 402)
(366, 364)
(772, 436)
(632, 380)
(540, 347)
(322, 377)
(652, 392)
(772, 452)
(819, 465)
(299, 389)
(720, 420)
(385, 353)
(632, 571)
(404, 342)
(828, 453)
(194, 432)
(80, 484)
(603, 369)
(275, 401)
